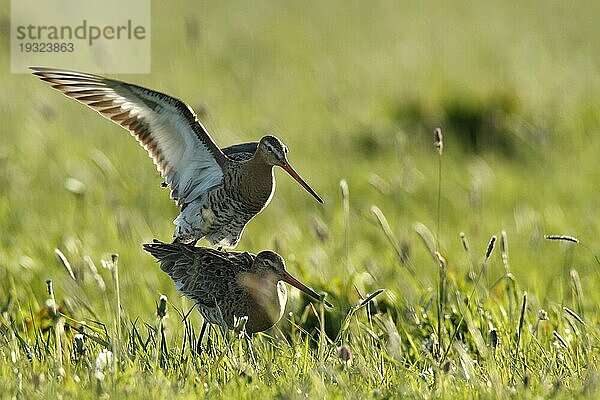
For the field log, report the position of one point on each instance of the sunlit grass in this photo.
(355, 90)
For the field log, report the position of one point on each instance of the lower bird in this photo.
(218, 190)
(227, 286)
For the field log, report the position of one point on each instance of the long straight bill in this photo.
(301, 286)
(288, 168)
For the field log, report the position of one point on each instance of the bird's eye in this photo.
(273, 265)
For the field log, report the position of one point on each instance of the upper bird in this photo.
(218, 190)
(231, 285)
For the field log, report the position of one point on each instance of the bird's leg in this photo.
(199, 342)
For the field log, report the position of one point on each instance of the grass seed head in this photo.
(574, 315)
(490, 247)
(344, 189)
(161, 310)
(320, 228)
(464, 241)
(560, 339)
(65, 263)
(49, 286)
(564, 238)
(438, 140)
(94, 271)
(75, 186)
(426, 237)
(442, 263)
(504, 248)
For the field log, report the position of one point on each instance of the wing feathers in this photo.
(194, 269)
(167, 128)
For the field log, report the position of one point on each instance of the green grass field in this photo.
(355, 89)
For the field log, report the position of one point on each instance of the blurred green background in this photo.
(355, 89)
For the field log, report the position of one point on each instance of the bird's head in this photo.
(273, 152)
(270, 263)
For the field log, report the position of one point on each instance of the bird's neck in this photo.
(258, 163)
(260, 181)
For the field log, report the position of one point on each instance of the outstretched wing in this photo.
(181, 148)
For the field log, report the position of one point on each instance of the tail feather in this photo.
(159, 249)
(169, 254)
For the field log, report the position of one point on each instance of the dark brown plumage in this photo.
(218, 191)
(229, 285)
